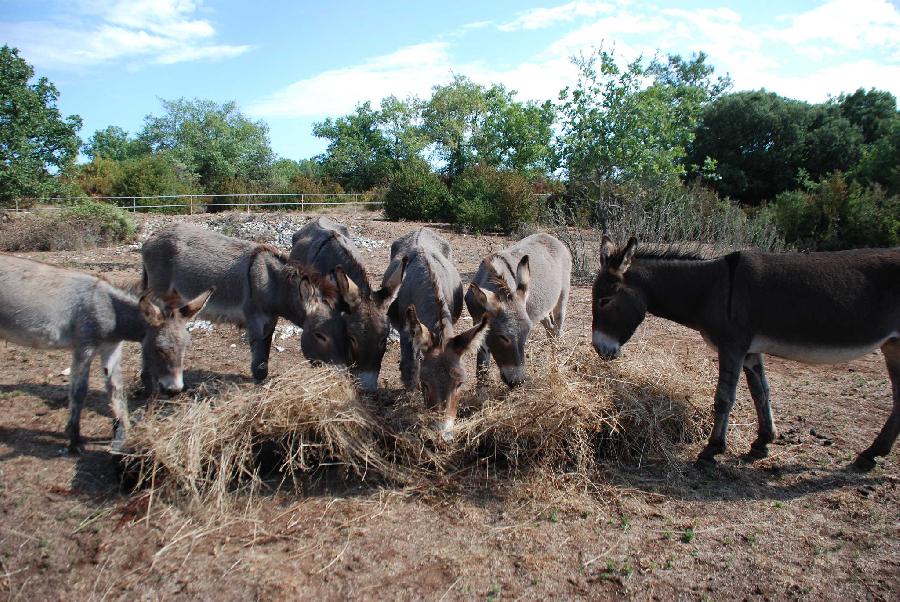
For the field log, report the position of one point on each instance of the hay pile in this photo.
(575, 411)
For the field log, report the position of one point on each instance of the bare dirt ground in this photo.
(795, 525)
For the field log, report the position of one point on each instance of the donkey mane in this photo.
(671, 252)
(495, 278)
(445, 323)
(294, 270)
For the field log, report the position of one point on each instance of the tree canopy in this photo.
(36, 142)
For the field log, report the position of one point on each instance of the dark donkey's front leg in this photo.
(885, 439)
(729, 374)
(759, 391)
(260, 329)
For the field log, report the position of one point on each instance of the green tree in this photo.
(453, 118)
(36, 142)
(358, 155)
(761, 143)
(400, 124)
(873, 112)
(517, 136)
(114, 143)
(215, 142)
(633, 124)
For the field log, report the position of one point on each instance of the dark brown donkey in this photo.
(326, 246)
(813, 308)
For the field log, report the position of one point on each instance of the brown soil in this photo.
(795, 525)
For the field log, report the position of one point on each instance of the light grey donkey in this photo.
(524, 284)
(326, 246)
(49, 307)
(255, 285)
(428, 305)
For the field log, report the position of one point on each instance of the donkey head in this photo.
(441, 371)
(166, 340)
(510, 324)
(323, 338)
(367, 323)
(617, 308)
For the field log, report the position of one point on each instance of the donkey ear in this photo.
(421, 337)
(523, 277)
(607, 248)
(150, 312)
(486, 299)
(347, 289)
(627, 255)
(193, 307)
(390, 287)
(471, 338)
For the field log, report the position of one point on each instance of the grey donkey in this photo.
(427, 307)
(326, 246)
(255, 285)
(49, 307)
(517, 287)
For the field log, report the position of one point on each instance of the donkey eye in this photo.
(322, 338)
(503, 339)
(605, 301)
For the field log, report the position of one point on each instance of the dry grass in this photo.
(577, 411)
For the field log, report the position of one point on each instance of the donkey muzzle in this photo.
(513, 376)
(606, 347)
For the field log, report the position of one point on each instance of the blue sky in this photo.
(292, 63)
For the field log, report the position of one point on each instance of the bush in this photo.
(416, 193)
(487, 199)
(831, 214)
(83, 225)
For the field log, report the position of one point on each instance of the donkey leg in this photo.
(409, 364)
(78, 388)
(885, 439)
(759, 391)
(111, 356)
(483, 363)
(559, 313)
(729, 375)
(260, 330)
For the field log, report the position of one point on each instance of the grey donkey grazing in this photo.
(255, 285)
(428, 305)
(49, 307)
(808, 307)
(326, 246)
(524, 284)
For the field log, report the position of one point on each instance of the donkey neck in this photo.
(128, 323)
(675, 288)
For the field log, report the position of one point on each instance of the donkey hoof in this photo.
(705, 462)
(757, 452)
(73, 449)
(863, 464)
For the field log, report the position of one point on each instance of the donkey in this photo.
(326, 246)
(49, 307)
(430, 354)
(813, 308)
(255, 285)
(536, 289)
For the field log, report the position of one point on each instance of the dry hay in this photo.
(574, 411)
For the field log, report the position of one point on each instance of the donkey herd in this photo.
(812, 307)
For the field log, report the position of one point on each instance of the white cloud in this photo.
(754, 57)
(839, 26)
(100, 31)
(408, 71)
(539, 18)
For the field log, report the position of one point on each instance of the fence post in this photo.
(133, 204)
(17, 204)
(191, 204)
(302, 203)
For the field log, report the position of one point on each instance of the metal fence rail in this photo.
(192, 201)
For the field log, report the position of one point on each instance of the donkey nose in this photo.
(513, 376)
(171, 384)
(605, 346)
